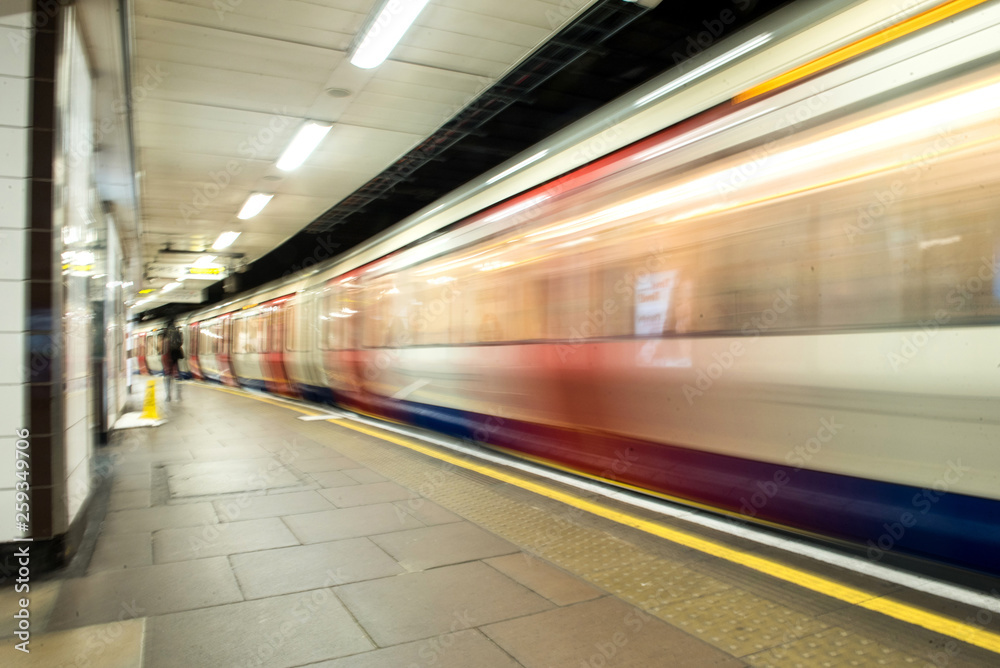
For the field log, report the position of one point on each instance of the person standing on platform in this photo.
(173, 351)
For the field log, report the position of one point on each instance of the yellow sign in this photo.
(204, 270)
(149, 403)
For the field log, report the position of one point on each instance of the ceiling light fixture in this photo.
(225, 240)
(306, 140)
(382, 35)
(253, 205)
(204, 261)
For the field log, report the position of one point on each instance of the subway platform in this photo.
(240, 534)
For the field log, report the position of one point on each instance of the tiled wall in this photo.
(16, 59)
(79, 243)
(45, 328)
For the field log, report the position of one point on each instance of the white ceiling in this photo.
(220, 83)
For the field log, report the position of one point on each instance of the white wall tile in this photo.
(16, 13)
(13, 255)
(77, 489)
(77, 440)
(12, 370)
(12, 417)
(14, 146)
(14, 203)
(15, 51)
(7, 533)
(7, 460)
(12, 298)
(14, 93)
(76, 410)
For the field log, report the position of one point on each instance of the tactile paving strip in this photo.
(833, 647)
(744, 624)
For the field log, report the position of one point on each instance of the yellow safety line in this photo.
(901, 611)
(901, 29)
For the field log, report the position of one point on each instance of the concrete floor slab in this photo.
(443, 600)
(277, 632)
(420, 549)
(305, 567)
(343, 523)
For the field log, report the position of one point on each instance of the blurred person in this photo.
(173, 351)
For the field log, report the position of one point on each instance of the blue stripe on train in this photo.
(879, 517)
(252, 383)
(315, 394)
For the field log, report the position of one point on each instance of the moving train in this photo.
(785, 308)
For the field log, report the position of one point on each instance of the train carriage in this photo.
(784, 309)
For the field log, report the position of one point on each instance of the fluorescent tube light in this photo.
(521, 165)
(204, 261)
(170, 286)
(225, 240)
(306, 140)
(715, 64)
(253, 205)
(385, 32)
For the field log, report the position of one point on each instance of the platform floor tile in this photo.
(462, 649)
(603, 632)
(344, 523)
(277, 632)
(110, 596)
(543, 578)
(444, 600)
(219, 539)
(259, 506)
(118, 644)
(291, 569)
(429, 547)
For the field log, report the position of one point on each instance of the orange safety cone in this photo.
(149, 403)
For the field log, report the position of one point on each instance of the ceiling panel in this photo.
(235, 79)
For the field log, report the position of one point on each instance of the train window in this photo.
(487, 309)
(326, 309)
(292, 330)
(378, 311)
(266, 328)
(240, 335)
(568, 297)
(335, 318)
(431, 309)
(278, 331)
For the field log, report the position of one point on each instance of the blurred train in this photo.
(785, 308)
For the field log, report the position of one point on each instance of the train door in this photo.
(273, 347)
(192, 349)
